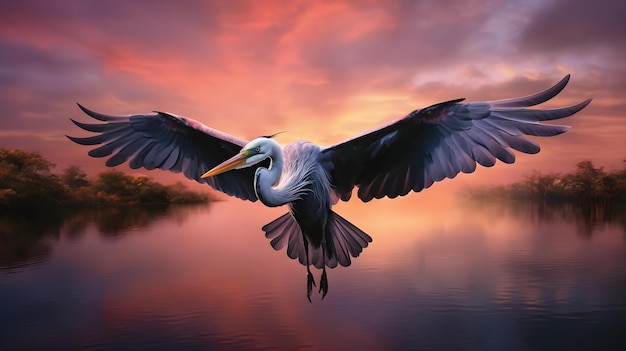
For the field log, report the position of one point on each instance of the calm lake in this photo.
(438, 275)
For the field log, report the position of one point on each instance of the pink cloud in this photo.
(322, 71)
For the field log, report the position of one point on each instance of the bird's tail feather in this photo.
(343, 240)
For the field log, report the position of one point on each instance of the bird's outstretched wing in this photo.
(169, 142)
(440, 141)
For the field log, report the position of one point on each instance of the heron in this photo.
(407, 155)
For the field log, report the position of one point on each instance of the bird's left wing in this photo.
(440, 141)
(169, 142)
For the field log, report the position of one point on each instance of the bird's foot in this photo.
(310, 283)
(324, 284)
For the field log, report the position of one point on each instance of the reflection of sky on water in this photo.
(491, 275)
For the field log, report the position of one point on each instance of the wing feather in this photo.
(137, 161)
(168, 142)
(438, 142)
(534, 99)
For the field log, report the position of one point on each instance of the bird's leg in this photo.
(310, 282)
(324, 278)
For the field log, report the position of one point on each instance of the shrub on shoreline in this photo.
(587, 183)
(27, 182)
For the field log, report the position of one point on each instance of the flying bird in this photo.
(409, 154)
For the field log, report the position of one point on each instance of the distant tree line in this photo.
(587, 183)
(27, 182)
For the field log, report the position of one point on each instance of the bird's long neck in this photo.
(270, 188)
(266, 178)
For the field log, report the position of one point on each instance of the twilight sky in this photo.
(321, 70)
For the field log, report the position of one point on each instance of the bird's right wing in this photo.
(172, 143)
(440, 141)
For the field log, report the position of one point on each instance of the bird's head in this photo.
(252, 153)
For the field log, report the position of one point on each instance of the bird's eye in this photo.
(257, 149)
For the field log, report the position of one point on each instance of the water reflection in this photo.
(495, 276)
(588, 216)
(27, 239)
(24, 240)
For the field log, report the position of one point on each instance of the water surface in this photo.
(438, 275)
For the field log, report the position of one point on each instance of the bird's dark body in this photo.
(312, 210)
(312, 223)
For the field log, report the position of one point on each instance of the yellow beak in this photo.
(232, 163)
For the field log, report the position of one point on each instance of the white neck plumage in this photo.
(277, 185)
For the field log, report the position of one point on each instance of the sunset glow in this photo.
(322, 71)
